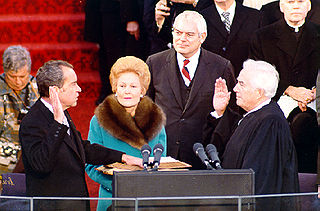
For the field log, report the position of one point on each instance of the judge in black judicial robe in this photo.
(261, 140)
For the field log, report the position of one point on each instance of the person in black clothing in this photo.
(116, 25)
(261, 139)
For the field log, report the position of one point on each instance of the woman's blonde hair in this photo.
(130, 64)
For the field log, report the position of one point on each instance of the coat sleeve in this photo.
(95, 136)
(218, 131)
(151, 90)
(129, 10)
(162, 139)
(96, 153)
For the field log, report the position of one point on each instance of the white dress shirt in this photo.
(191, 66)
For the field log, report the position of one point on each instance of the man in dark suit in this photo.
(54, 155)
(292, 44)
(231, 43)
(182, 83)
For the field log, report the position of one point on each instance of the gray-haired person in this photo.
(260, 139)
(18, 92)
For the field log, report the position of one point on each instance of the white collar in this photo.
(255, 109)
(296, 28)
(258, 107)
(192, 59)
(231, 10)
(48, 105)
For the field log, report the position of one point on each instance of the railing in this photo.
(302, 201)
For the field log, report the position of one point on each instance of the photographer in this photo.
(18, 92)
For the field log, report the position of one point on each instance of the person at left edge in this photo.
(53, 152)
(18, 92)
(126, 120)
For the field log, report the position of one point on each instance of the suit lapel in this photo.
(284, 39)
(171, 66)
(74, 143)
(215, 21)
(238, 20)
(306, 44)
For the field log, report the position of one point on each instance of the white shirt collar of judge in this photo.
(49, 106)
(255, 109)
(231, 10)
(191, 66)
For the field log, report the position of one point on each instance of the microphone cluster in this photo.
(214, 161)
(157, 152)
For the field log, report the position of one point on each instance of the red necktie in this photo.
(185, 71)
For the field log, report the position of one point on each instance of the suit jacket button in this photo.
(177, 142)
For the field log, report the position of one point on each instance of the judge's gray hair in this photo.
(265, 76)
(193, 16)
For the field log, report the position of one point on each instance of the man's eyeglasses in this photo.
(189, 35)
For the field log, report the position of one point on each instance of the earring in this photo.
(141, 96)
(116, 95)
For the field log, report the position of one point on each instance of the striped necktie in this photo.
(185, 71)
(226, 21)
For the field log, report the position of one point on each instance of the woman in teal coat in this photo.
(126, 120)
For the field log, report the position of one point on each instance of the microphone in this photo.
(157, 152)
(199, 151)
(213, 154)
(145, 152)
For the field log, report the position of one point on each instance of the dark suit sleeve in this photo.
(129, 10)
(218, 131)
(151, 90)
(97, 154)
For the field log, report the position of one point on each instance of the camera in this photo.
(22, 113)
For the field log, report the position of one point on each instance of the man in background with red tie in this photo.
(182, 84)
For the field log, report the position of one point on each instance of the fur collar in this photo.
(147, 123)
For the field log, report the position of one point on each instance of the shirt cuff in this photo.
(215, 114)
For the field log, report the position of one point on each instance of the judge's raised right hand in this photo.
(221, 96)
